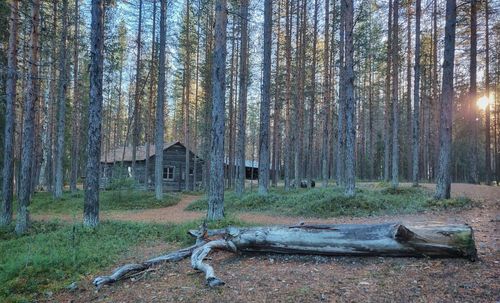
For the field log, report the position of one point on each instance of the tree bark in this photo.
(487, 146)
(312, 100)
(387, 113)
(416, 98)
(350, 102)
(160, 106)
(61, 104)
(11, 94)
(30, 100)
(91, 186)
(187, 87)
(395, 96)
(264, 158)
(386, 239)
(326, 99)
(443, 179)
(242, 101)
(288, 96)
(137, 97)
(340, 172)
(75, 123)
(474, 142)
(216, 186)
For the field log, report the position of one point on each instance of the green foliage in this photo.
(52, 255)
(331, 202)
(121, 183)
(127, 199)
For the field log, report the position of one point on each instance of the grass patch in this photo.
(125, 199)
(52, 255)
(331, 202)
(459, 202)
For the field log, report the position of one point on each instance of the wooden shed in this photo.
(118, 163)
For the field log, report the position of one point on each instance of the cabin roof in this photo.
(116, 155)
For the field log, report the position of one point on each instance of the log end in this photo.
(214, 282)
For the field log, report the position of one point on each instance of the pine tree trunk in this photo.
(342, 101)
(487, 151)
(473, 144)
(30, 100)
(216, 182)
(8, 152)
(395, 95)
(91, 186)
(242, 101)
(312, 104)
(326, 99)
(409, 128)
(160, 106)
(264, 157)
(443, 179)
(61, 104)
(387, 113)
(277, 108)
(350, 102)
(137, 106)
(416, 98)
(288, 96)
(75, 123)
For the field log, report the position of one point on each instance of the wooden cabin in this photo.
(118, 164)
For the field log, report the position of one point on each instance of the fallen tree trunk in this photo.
(388, 239)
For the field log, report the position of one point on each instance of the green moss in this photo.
(458, 202)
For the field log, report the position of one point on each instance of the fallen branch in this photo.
(388, 239)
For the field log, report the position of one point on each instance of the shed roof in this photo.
(116, 155)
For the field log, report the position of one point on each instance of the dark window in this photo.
(168, 172)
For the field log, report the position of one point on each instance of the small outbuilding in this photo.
(117, 163)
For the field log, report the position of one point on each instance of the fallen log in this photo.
(388, 239)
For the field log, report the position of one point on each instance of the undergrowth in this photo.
(124, 199)
(331, 202)
(53, 255)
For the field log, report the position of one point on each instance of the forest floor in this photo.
(293, 278)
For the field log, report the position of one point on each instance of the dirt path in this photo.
(292, 278)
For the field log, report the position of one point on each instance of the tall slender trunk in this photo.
(326, 99)
(395, 95)
(312, 104)
(387, 114)
(137, 97)
(196, 95)
(409, 128)
(75, 123)
(341, 107)
(230, 129)
(473, 148)
(487, 146)
(443, 179)
(8, 154)
(91, 186)
(160, 105)
(288, 95)
(264, 158)
(416, 97)
(350, 102)
(150, 103)
(277, 108)
(30, 100)
(216, 186)
(242, 100)
(61, 106)
(187, 100)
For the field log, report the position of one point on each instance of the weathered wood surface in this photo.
(387, 239)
